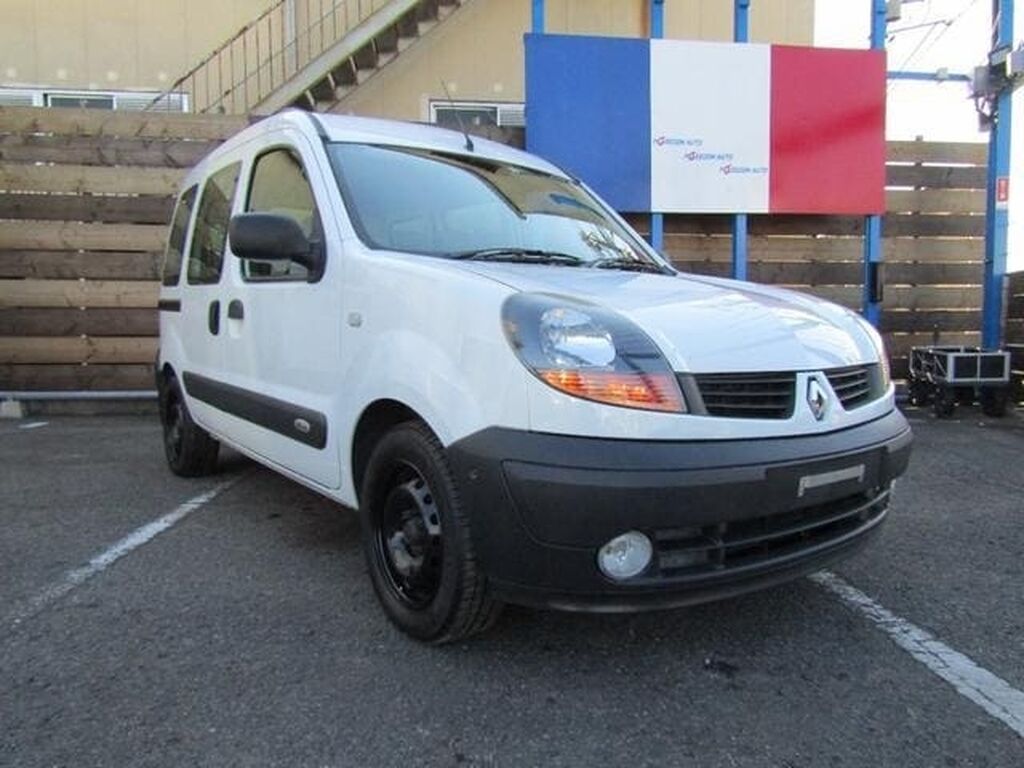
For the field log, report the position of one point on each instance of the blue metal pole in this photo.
(741, 34)
(997, 215)
(538, 17)
(657, 238)
(873, 224)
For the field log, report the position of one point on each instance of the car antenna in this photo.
(462, 127)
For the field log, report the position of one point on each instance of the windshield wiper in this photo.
(519, 256)
(628, 265)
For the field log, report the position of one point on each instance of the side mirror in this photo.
(273, 237)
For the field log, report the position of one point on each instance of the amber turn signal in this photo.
(650, 391)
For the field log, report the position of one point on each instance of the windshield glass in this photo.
(438, 204)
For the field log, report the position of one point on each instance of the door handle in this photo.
(213, 317)
(236, 310)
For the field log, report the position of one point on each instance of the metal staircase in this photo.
(305, 53)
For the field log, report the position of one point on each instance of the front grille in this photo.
(851, 385)
(693, 552)
(748, 395)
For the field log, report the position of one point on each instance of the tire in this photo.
(944, 403)
(918, 392)
(993, 401)
(417, 542)
(190, 450)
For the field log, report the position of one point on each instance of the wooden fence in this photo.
(85, 197)
(1015, 330)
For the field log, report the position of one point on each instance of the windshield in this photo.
(438, 204)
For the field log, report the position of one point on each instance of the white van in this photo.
(525, 402)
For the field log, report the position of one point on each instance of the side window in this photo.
(206, 256)
(176, 238)
(279, 185)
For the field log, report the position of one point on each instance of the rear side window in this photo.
(206, 256)
(279, 185)
(176, 239)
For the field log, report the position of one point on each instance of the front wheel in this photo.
(417, 541)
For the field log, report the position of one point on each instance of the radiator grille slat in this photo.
(748, 395)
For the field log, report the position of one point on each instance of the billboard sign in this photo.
(696, 127)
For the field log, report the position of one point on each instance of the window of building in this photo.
(279, 185)
(206, 256)
(176, 239)
(477, 113)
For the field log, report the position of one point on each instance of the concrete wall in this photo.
(479, 51)
(113, 44)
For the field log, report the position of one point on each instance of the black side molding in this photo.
(169, 305)
(303, 425)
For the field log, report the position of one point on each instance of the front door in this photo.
(282, 326)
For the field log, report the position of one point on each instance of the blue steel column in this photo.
(538, 17)
(873, 224)
(997, 219)
(741, 34)
(657, 238)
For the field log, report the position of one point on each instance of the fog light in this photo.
(625, 556)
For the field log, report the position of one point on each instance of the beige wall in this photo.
(113, 44)
(479, 51)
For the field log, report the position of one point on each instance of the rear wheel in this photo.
(190, 450)
(417, 541)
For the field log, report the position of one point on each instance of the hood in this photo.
(707, 325)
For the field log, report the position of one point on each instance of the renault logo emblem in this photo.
(817, 399)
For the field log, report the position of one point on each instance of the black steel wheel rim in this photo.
(407, 539)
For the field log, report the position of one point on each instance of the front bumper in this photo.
(725, 517)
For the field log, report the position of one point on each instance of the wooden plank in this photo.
(83, 349)
(943, 177)
(76, 321)
(898, 298)
(968, 153)
(913, 321)
(935, 201)
(899, 276)
(70, 265)
(77, 236)
(76, 377)
(896, 225)
(1015, 283)
(91, 122)
(78, 293)
(696, 247)
(103, 150)
(117, 209)
(90, 179)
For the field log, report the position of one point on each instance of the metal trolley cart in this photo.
(946, 376)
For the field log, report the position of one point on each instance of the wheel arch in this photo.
(376, 420)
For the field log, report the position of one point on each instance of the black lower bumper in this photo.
(724, 517)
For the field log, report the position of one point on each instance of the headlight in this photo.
(590, 352)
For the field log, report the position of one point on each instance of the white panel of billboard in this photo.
(710, 138)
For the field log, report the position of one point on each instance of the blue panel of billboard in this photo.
(595, 133)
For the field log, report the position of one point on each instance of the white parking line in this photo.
(106, 558)
(988, 691)
(34, 425)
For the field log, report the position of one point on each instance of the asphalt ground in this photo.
(247, 633)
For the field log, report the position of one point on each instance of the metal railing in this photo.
(265, 54)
